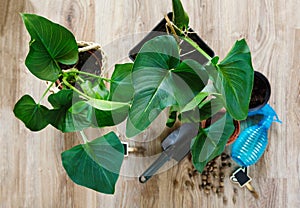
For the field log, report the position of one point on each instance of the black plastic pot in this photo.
(90, 60)
(187, 52)
(261, 92)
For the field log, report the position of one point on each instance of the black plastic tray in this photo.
(160, 29)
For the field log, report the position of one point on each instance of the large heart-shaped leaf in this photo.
(62, 118)
(153, 82)
(61, 102)
(159, 81)
(210, 142)
(62, 98)
(236, 74)
(180, 18)
(33, 115)
(96, 164)
(50, 43)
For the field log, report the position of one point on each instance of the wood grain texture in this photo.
(31, 174)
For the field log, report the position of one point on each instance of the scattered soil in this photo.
(212, 179)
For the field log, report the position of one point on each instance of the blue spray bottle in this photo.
(252, 142)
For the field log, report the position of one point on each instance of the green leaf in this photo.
(180, 17)
(50, 44)
(211, 142)
(153, 82)
(61, 102)
(236, 75)
(195, 101)
(62, 118)
(121, 88)
(160, 81)
(32, 114)
(62, 98)
(192, 74)
(96, 164)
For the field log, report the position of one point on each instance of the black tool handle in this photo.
(163, 158)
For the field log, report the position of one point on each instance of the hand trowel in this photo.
(175, 146)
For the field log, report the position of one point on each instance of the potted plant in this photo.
(138, 92)
(82, 101)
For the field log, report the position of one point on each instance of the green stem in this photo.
(74, 89)
(88, 74)
(187, 39)
(46, 91)
(107, 79)
(195, 45)
(80, 79)
(85, 140)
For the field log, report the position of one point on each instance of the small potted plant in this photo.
(80, 100)
(138, 92)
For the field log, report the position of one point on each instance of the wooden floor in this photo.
(31, 173)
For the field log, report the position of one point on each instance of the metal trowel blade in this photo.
(177, 144)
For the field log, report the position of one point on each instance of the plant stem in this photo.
(195, 45)
(74, 89)
(85, 140)
(172, 28)
(46, 91)
(88, 74)
(187, 39)
(82, 80)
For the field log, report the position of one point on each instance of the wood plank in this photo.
(31, 173)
